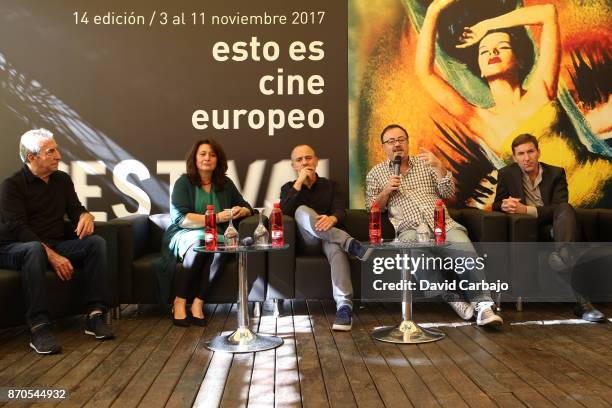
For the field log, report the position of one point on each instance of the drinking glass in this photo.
(261, 236)
(231, 233)
(395, 217)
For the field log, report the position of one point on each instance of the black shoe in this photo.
(356, 249)
(586, 311)
(43, 341)
(344, 319)
(96, 326)
(185, 322)
(198, 321)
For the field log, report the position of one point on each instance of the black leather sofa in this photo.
(140, 238)
(64, 297)
(303, 272)
(595, 226)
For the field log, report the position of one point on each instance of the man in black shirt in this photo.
(33, 203)
(318, 206)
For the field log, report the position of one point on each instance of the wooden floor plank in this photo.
(187, 388)
(31, 365)
(238, 383)
(443, 391)
(87, 387)
(491, 366)
(546, 364)
(287, 385)
(152, 363)
(411, 382)
(110, 390)
(164, 384)
(140, 383)
(575, 361)
(213, 384)
(261, 391)
(79, 351)
(337, 384)
(312, 384)
(97, 355)
(515, 363)
(372, 381)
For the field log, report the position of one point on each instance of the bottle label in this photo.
(277, 234)
(440, 235)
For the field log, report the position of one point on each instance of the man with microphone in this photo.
(318, 206)
(410, 186)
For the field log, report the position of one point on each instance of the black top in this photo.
(32, 210)
(324, 197)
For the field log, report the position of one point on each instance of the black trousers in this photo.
(564, 231)
(198, 273)
(88, 257)
(562, 228)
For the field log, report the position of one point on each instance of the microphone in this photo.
(248, 241)
(397, 162)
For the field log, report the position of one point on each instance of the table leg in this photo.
(408, 332)
(243, 340)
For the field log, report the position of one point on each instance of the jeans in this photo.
(333, 242)
(463, 248)
(88, 257)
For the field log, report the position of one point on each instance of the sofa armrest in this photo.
(108, 231)
(522, 228)
(604, 224)
(588, 226)
(485, 226)
(281, 265)
(132, 239)
(357, 224)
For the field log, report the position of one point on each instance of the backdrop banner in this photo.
(128, 87)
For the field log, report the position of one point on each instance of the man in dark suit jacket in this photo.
(540, 190)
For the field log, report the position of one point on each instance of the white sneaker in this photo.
(486, 316)
(465, 310)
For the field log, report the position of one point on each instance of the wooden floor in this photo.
(152, 363)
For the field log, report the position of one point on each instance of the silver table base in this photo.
(243, 340)
(408, 332)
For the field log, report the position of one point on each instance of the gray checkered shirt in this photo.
(418, 192)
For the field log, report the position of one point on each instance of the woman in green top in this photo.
(205, 183)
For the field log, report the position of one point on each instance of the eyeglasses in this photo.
(391, 142)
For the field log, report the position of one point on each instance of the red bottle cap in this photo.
(440, 203)
(276, 205)
(210, 207)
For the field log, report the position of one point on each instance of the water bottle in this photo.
(439, 222)
(276, 225)
(375, 229)
(210, 228)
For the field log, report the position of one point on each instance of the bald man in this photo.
(317, 204)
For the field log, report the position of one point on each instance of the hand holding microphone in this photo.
(393, 183)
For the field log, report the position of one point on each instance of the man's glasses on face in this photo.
(391, 142)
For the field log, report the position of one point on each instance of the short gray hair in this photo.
(30, 142)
